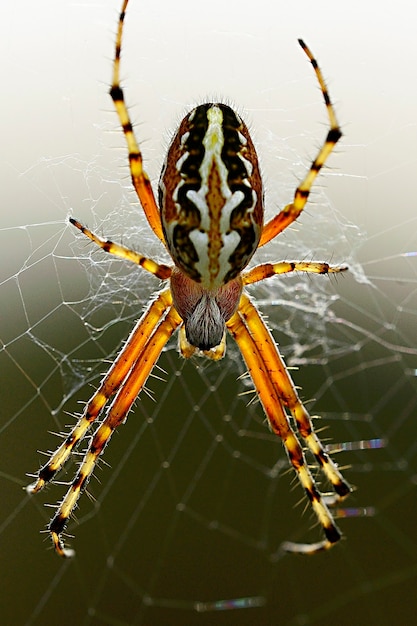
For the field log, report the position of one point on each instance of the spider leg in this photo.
(140, 178)
(129, 354)
(289, 395)
(276, 392)
(161, 271)
(116, 415)
(266, 270)
(291, 212)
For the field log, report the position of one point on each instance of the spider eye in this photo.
(211, 196)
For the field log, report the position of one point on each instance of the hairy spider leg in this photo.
(266, 270)
(130, 353)
(116, 415)
(140, 178)
(269, 391)
(291, 212)
(289, 396)
(159, 270)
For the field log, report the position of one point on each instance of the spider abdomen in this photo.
(211, 196)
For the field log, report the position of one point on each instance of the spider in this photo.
(210, 218)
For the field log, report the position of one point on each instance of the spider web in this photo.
(193, 498)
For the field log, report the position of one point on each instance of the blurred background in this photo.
(188, 511)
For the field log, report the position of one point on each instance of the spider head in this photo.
(211, 196)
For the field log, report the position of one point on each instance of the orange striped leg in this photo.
(129, 354)
(140, 179)
(116, 414)
(269, 393)
(291, 212)
(289, 396)
(266, 270)
(161, 271)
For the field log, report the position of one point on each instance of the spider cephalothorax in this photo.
(210, 218)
